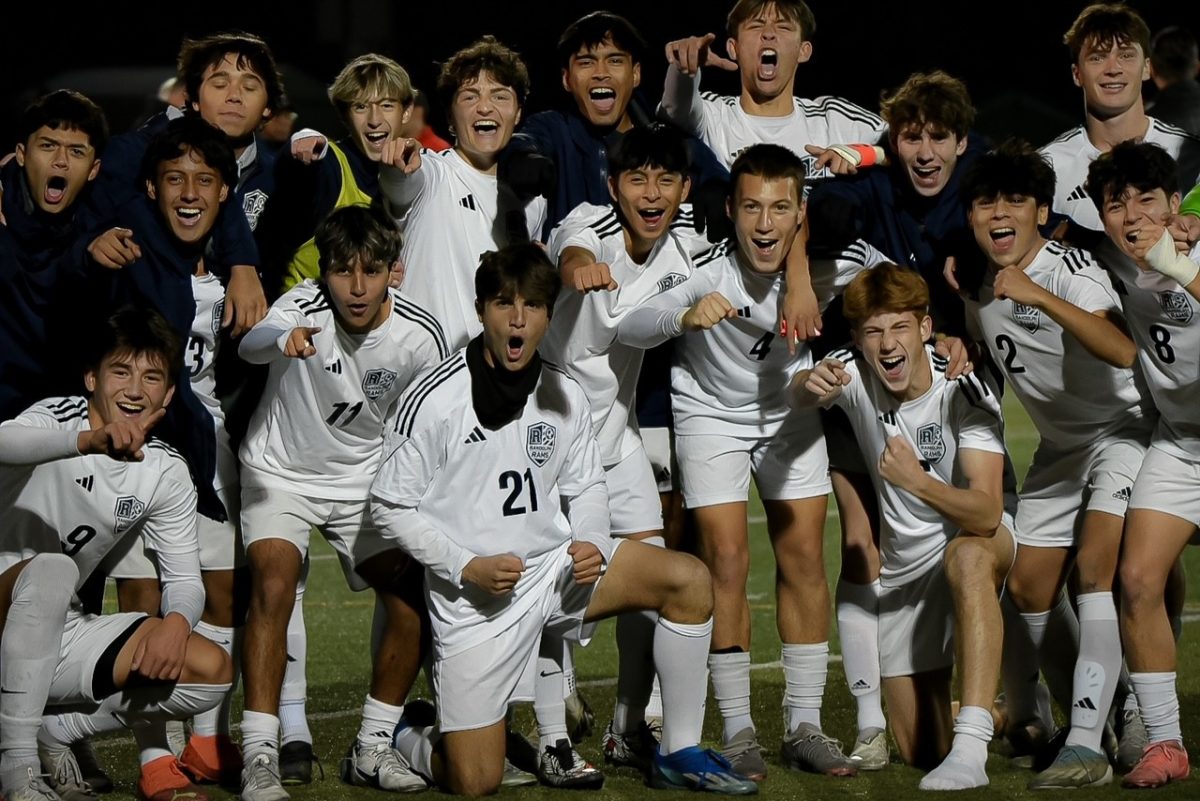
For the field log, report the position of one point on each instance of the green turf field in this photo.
(339, 623)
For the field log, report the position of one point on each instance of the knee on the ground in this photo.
(475, 779)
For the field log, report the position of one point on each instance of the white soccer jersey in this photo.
(318, 429)
(1072, 153)
(200, 361)
(1165, 322)
(733, 378)
(963, 414)
(583, 332)
(483, 491)
(84, 506)
(450, 223)
(1072, 397)
(728, 130)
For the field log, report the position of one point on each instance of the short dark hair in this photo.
(1012, 168)
(136, 330)
(654, 145)
(358, 233)
(795, 10)
(592, 30)
(522, 269)
(1106, 24)
(929, 98)
(1141, 165)
(65, 108)
(769, 162)
(1174, 54)
(197, 55)
(191, 134)
(484, 55)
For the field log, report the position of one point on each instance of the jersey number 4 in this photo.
(762, 347)
(515, 483)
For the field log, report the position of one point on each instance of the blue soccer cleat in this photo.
(697, 768)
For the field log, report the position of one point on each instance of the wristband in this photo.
(1166, 261)
(860, 155)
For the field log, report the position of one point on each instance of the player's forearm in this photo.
(1100, 337)
(572, 258)
(422, 541)
(799, 396)
(796, 266)
(589, 517)
(971, 510)
(681, 100)
(648, 326)
(401, 190)
(31, 445)
(264, 342)
(184, 595)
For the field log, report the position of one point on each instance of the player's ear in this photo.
(1043, 214)
(170, 394)
(637, 74)
(926, 328)
(89, 381)
(93, 172)
(479, 309)
(805, 52)
(612, 187)
(19, 153)
(731, 48)
(566, 79)
(961, 147)
(1075, 75)
(224, 192)
(151, 191)
(1174, 202)
(687, 188)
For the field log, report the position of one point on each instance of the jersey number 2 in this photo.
(515, 483)
(1009, 348)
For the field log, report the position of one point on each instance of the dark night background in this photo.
(1010, 53)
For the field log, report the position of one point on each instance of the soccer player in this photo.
(78, 475)
(1109, 45)
(373, 97)
(341, 351)
(503, 567)
(1134, 186)
(732, 421)
(454, 207)
(1051, 321)
(935, 449)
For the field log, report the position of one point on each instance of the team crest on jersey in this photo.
(1028, 317)
(217, 313)
(127, 511)
(670, 280)
(253, 204)
(377, 381)
(930, 442)
(1175, 305)
(539, 443)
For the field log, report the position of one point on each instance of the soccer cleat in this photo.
(871, 750)
(561, 766)
(634, 750)
(1075, 766)
(1131, 739)
(809, 749)
(296, 761)
(1161, 763)
(31, 788)
(380, 766)
(697, 768)
(63, 774)
(581, 721)
(212, 759)
(89, 766)
(1046, 756)
(745, 755)
(260, 779)
(162, 780)
(515, 777)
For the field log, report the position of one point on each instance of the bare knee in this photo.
(1141, 583)
(967, 561)
(207, 663)
(474, 778)
(728, 564)
(689, 588)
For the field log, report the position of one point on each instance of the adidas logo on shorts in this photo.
(1123, 494)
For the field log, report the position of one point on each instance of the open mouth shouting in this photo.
(515, 349)
(130, 409)
(188, 216)
(763, 248)
(653, 218)
(768, 64)
(56, 190)
(926, 177)
(893, 366)
(1003, 239)
(486, 131)
(604, 98)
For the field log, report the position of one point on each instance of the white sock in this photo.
(1159, 704)
(966, 764)
(654, 705)
(151, 739)
(293, 695)
(260, 732)
(216, 720)
(1059, 651)
(730, 674)
(805, 667)
(29, 653)
(679, 649)
(378, 722)
(1097, 669)
(568, 668)
(549, 704)
(416, 744)
(858, 630)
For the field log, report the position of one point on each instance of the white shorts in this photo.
(1169, 485)
(1062, 485)
(475, 687)
(916, 621)
(85, 639)
(346, 525)
(716, 469)
(220, 546)
(660, 449)
(633, 502)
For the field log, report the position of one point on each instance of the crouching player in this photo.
(78, 475)
(496, 424)
(935, 449)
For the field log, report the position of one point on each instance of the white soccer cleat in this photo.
(260, 779)
(64, 775)
(382, 767)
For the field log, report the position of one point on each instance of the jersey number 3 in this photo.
(515, 483)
